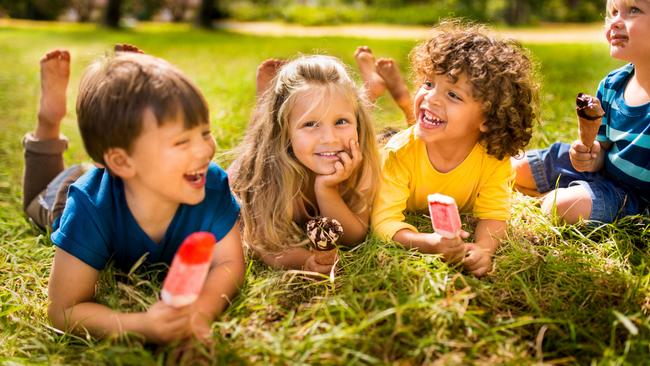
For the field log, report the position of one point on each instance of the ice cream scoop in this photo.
(590, 115)
(323, 232)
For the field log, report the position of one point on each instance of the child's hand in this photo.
(312, 266)
(452, 250)
(478, 260)
(582, 158)
(164, 323)
(201, 326)
(343, 168)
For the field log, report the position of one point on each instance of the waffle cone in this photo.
(588, 131)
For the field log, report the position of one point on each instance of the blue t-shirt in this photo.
(97, 225)
(628, 129)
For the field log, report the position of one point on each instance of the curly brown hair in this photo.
(500, 72)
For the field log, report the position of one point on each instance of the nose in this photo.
(205, 149)
(616, 21)
(328, 133)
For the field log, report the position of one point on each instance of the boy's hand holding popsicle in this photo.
(446, 223)
(448, 236)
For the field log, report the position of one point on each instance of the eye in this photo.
(342, 121)
(428, 85)
(310, 124)
(455, 96)
(614, 12)
(206, 134)
(635, 10)
(182, 142)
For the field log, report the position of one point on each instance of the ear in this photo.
(483, 127)
(119, 163)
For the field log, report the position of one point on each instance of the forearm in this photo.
(355, 227)
(98, 320)
(414, 240)
(292, 258)
(489, 233)
(221, 285)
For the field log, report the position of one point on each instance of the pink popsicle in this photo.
(188, 270)
(444, 215)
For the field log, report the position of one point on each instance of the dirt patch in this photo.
(591, 33)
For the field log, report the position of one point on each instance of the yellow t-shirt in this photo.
(480, 184)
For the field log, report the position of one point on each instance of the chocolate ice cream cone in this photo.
(323, 232)
(590, 115)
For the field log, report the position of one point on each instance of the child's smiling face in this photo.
(322, 123)
(447, 112)
(170, 161)
(628, 30)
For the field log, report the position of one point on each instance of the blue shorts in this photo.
(552, 169)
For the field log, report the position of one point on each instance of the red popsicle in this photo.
(189, 268)
(444, 215)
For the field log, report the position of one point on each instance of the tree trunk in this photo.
(113, 13)
(206, 14)
(516, 12)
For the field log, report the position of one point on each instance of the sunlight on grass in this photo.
(559, 294)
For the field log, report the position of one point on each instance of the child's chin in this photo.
(195, 200)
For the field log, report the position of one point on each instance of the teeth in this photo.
(327, 153)
(430, 118)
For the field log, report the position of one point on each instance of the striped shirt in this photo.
(628, 130)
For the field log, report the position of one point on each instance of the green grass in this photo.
(559, 294)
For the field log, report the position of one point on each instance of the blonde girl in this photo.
(310, 150)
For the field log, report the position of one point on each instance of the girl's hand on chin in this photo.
(343, 168)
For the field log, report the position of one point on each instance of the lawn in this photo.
(559, 294)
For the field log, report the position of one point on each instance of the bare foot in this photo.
(388, 70)
(55, 74)
(266, 71)
(373, 82)
(125, 47)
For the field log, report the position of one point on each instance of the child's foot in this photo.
(266, 71)
(374, 83)
(388, 70)
(55, 74)
(125, 47)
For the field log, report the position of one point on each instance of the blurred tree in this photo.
(113, 13)
(177, 8)
(142, 9)
(207, 12)
(517, 11)
(84, 8)
(34, 9)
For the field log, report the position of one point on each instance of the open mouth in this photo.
(617, 39)
(196, 179)
(429, 120)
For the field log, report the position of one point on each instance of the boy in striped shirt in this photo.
(612, 179)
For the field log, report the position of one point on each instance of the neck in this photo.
(150, 212)
(642, 75)
(446, 156)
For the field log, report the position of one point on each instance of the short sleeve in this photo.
(223, 205)
(388, 210)
(601, 95)
(494, 195)
(80, 232)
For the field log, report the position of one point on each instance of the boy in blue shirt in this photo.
(146, 125)
(612, 179)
